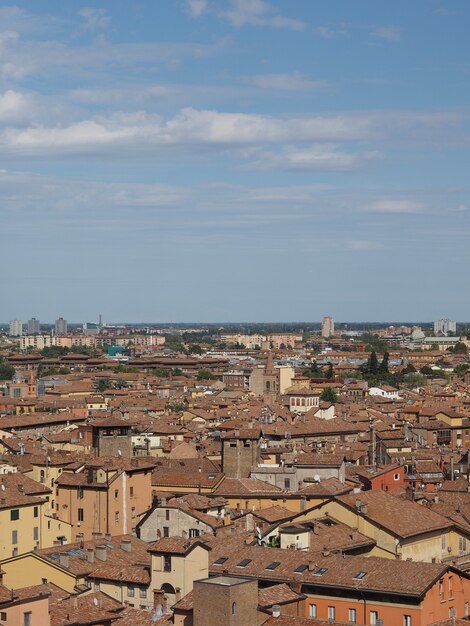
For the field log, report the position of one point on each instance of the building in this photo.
(34, 326)
(16, 328)
(61, 326)
(327, 327)
(442, 327)
(232, 600)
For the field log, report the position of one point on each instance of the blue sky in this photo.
(234, 160)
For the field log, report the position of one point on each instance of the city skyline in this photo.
(291, 158)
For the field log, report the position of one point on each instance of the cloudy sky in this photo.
(234, 160)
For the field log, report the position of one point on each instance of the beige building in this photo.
(327, 327)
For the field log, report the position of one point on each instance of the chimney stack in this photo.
(90, 555)
(64, 560)
(126, 545)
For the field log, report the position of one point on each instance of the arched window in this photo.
(234, 608)
(42, 476)
(167, 588)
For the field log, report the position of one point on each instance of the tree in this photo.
(6, 371)
(52, 352)
(414, 380)
(461, 369)
(383, 367)
(409, 369)
(102, 384)
(330, 372)
(195, 349)
(205, 375)
(372, 363)
(460, 348)
(313, 371)
(329, 395)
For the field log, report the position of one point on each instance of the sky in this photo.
(234, 160)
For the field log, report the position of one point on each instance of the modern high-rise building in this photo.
(61, 326)
(442, 327)
(34, 326)
(327, 327)
(16, 328)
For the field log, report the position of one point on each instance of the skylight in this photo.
(300, 568)
(273, 565)
(221, 560)
(320, 571)
(360, 575)
(244, 563)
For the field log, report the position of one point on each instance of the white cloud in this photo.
(399, 206)
(390, 33)
(95, 19)
(196, 8)
(287, 82)
(330, 33)
(141, 130)
(316, 157)
(14, 106)
(364, 245)
(259, 13)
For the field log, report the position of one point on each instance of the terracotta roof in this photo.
(175, 545)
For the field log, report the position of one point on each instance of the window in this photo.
(167, 515)
(465, 609)
(44, 581)
(221, 560)
(286, 483)
(80, 515)
(116, 517)
(36, 510)
(441, 590)
(3, 616)
(331, 612)
(272, 566)
(396, 477)
(131, 491)
(14, 515)
(130, 592)
(320, 571)
(142, 592)
(36, 533)
(97, 586)
(80, 493)
(244, 563)
(313, 610)
(14, 552)
(42, 476)
(234, 608)
(407, 620)
(167, 563)
(14, 537)
(194, 532)
(116, 493)
(360, 575)
(462, 544)
(300, 568)
(166, 531)
(443, 542)
(352, 616)
(28, 618)
(450, 590)
(374, 616)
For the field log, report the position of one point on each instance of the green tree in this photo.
(461, 369)
(195, 349)
(176, 371)
(330, 372)
(383, 367)
(6, 371)
(205, 375)
(102, 384)
(414, 380)
(460, 348)
(329, 395)
(313, 371)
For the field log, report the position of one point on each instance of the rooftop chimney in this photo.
(276, 610)
(64, 560)
(90, 555)
(101, 553)
(126, 545)
(95, 535)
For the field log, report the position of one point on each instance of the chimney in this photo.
(312, 566)
(107, 536)
(90, 555)
(276, 610)
(95, 535)
(126, 545)
(100, 553)
(64, 560)
(325, 552)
